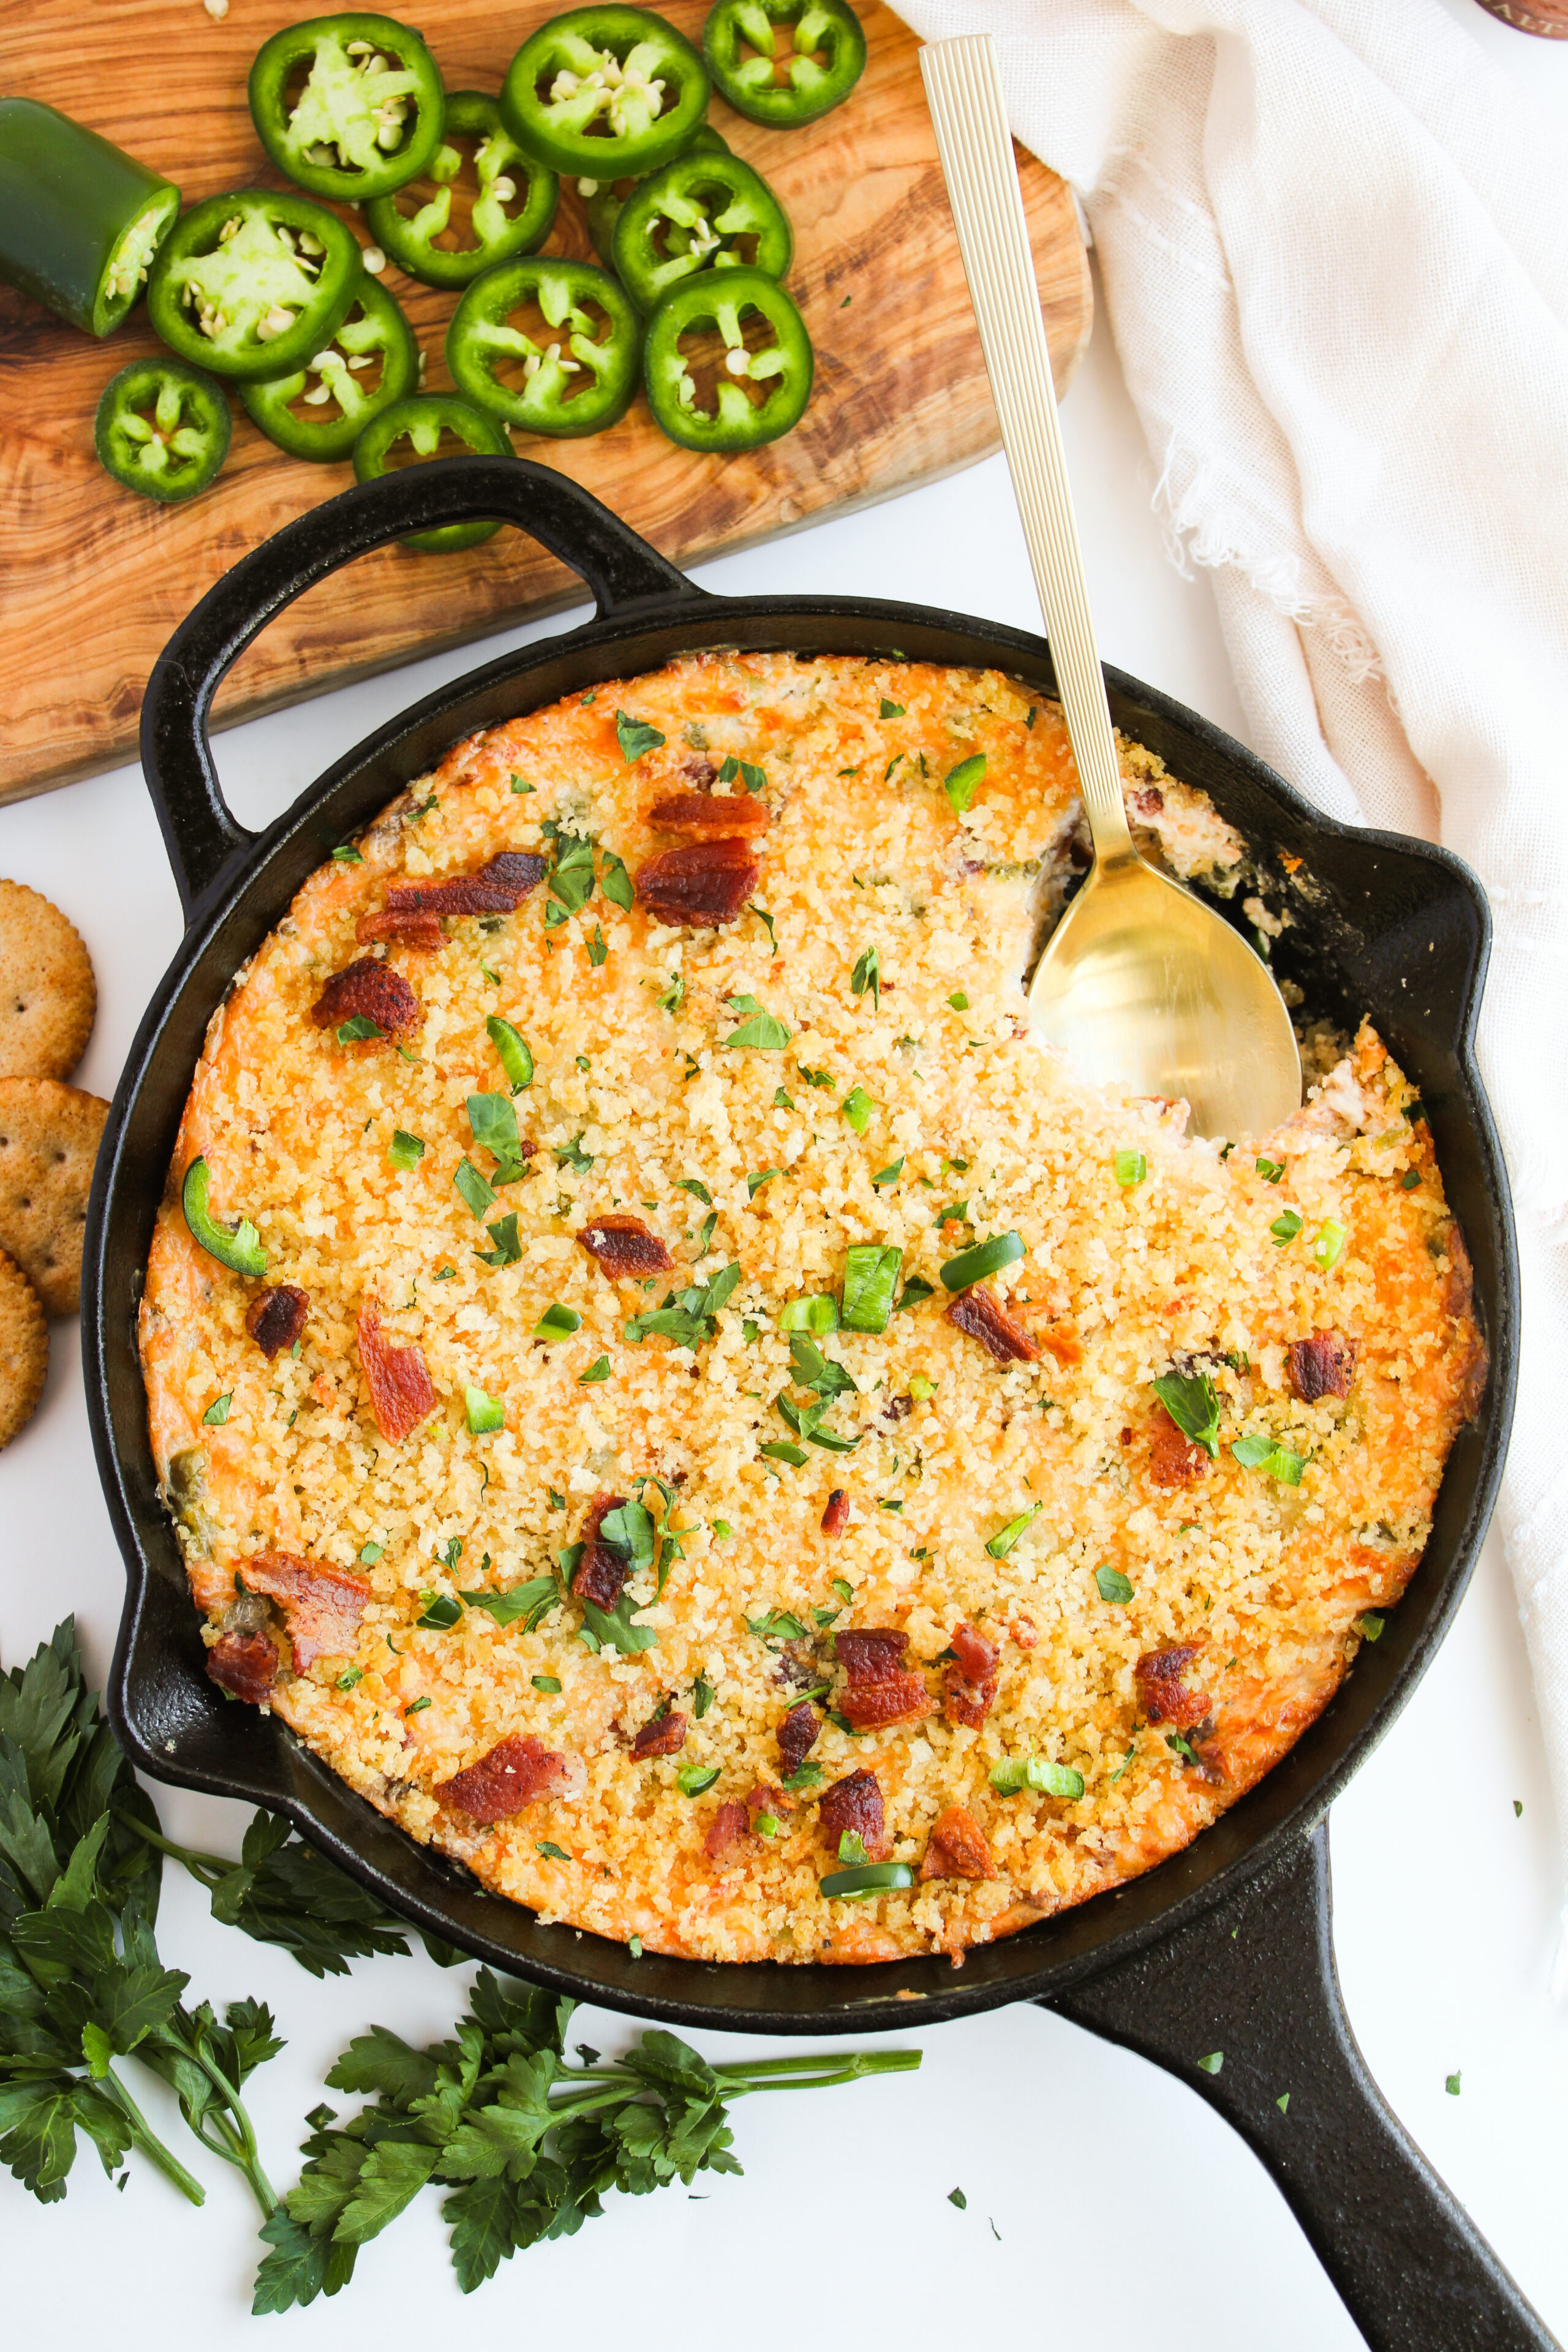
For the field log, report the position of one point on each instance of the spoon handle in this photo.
(963, 90)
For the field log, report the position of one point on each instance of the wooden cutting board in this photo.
(93, 579)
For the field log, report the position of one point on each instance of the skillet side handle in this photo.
(623, 571)
(1255, 1978)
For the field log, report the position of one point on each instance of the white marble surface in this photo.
(1107, 2207)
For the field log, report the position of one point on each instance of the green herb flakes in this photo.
(549, 1683)
(355, 1031)
(1369, 1625)
(1271, 1170)
(1113, 1586)
(599, 1370)
(441, 1611)
(1329, 1247)
(518, 784)
(416, 1706)
(1131, 1168)
(370, 1554)
(597, 951)
(764, 1176)
(670, 997)
(973, 1265)
(1014, 1773)
(484, 1413)
(858, 1108)
(891, 1173)
(960, 783)
(753, 779)
(512, 1048)
(915, 1293)
(1268, 1454)
(696, 1780)
(405, 1151)
(702, 1696)
(345, 854)
(819, 1312)
(635, 737)
(761, 1029)
(1285, 1228)
(347, 1679)
(217, 1411)
(1213, 2062)
(867, 977)
(473, 1189)
(1190, 1401)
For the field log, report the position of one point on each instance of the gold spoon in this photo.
(1141, 982)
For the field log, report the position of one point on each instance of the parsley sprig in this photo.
(525, 2144)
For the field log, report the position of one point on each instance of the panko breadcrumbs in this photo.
(539, 1481)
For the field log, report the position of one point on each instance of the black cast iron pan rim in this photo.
(1263, 1826)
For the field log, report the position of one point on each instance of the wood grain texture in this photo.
(95, 579)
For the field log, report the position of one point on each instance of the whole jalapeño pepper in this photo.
(80, 220)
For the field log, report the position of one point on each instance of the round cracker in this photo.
(24, 1350)
(48, 1140)
(47, 994)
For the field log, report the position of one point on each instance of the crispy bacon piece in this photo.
(856, 1803)
(600, 1571)
(323, 1605)
(665, 1736)
(1162, 1689)
(969, 1684)
(372, 989)
(623, 1246)
(243, 1664)
(1173, 1459)
(401, 1394)
(982, 1314)
(708, 812)
(412, 911)
(872, 1704)
(1323, 1366)
(763, 1799)
(957, 1847)
(705, 883)
(517, 1769)
(277, 1318)
(836, 1518)
(871, 1653)
(797, 1736)
(727, 1828)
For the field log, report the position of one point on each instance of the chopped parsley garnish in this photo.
(763, 918)
(810, 1368)
(557, 1322)
(355, 1031)
(870, 1278)
(1002, 1542)
(571, 876)
(957, 1213)
(1369, 1625)
(958, 1001)
(890, 709)
(1193, 1404)
(475, 1192)
(695, 1780)
(973, 1265)
(441, 1613)
(507, 1248)
(805, 1422)
(1268, 1454)
(416, 1706)
(547, 1846)
(216, 1412)
(687, 1316)
(698, 1190)
(597, 951)
(896, 761)
(761, 1029)
(484, 1413)
(1014, 1773)
(915, 1293)
(404, 1150)
(781, 1100)
(857, 1108)
(779, 1449)
(962, 782)
(493, 1120)
(754, 779)
(526, 1604)
(705, 1237)
(1113, 1586)
(1329, 1247)
(868, 976)
(445, 1273)
(635, 737)
(1409, 1180)
(1271, 1170)
(599, 1370)
(669, 996)
(345, 854)
(764, 1176)
(347, 1679)
(891, 1173)
(1213, 2062)
(813, 1077)
(615, 881)
(1285, 1228)
(549, 1683)
(1131, 1168)
(776, 1626)
(370, 1554)
(519, 783)
(819, 1312)
(702, 1697)
(511, 1047)
(808, 1775)
(573, 1155)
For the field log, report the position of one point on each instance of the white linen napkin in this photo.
(1333, 240)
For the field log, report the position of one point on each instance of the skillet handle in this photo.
(624, 573)
(1254, 1977)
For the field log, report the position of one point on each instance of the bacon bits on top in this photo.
(1173, 1459)
(969, 1682)
(707, 813)
(412, 911)
(323, 1605)
(516, 1770)
(705, 883)
(600, 1571)
(243, 1664)
(981, 1314)
(856, 1803)
(881, 1691)
(623, 1247)
(1323, 1366)
(728, 1827)
(836, 1518)
(276, 1318)
(664, 1736)
(957, 1847)
(1163, 1694)
(401, 1393)
(369, 990)
(797, 1736)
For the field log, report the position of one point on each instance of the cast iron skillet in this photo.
(1400, 933)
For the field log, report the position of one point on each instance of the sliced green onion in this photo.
(1131, 1168)
(857, 1108)
(557, 1322)
(870, 1278)
(416, 1706)
(693, 1778)
(767, 1825)
(960, 783)
(512, 1051)
(921, 1388)
(1329, 1247)
(1002, 1542)
(350, 1676)
(973, 1265)
(868, 1878)
(441, 1613)
(1285, 1228)
(345, 854)
(404, 1150)
(1213, 2062)
(958, 1001)
(485, 1413)
(1113, 1586)
(852, 1848)
(817, 1313)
